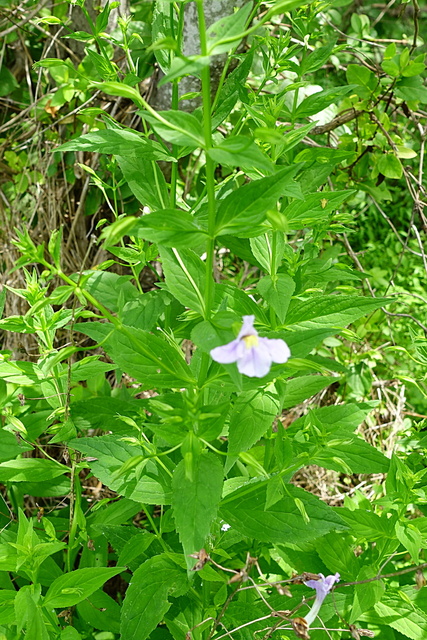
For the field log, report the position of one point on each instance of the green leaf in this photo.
(106, 71)
(413, 69)
(182, 66)
(186, 613)
(363, 77)
(390, 166)
(316, 59)
(28, 613)
(118, 88)
(108, 288)
(409, 536)
(25, 605)
(10, 446)
(103, 413)
(8, 82)
(232, 89)
(291, 138)
(252, 414)
(119, 142)
(356, 454)
(26, 469)
(243, 210)
(195, 501)
(185, 276)
(365, 595)
(145, 180)
(171, 228)
(71, 633)
(402, 615)
(277, 293)
(163, 29)
(411, 89)
(331, 311)
(341, 418)
(100, 611)
(336, 551)
(268, 250)
(405, 152)
(282, 522)
(71, 588)
(366, 524)
(134, 547)
(315, 209)
(146, 600)
(237, 300)
(391, 67)
(145, 481)
(226, 32)
(178, 127)
(143, 355)
(319, 101)
(239, 151)
(144, 311)
(303, 387)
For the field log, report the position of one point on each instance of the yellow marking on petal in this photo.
(250, 341)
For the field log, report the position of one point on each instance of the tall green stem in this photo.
(210, 182)
(175, 100)
(210, 165)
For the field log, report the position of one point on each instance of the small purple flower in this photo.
(322, 587)
(253, 354)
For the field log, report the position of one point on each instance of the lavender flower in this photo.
(254, 355)
(322, 587)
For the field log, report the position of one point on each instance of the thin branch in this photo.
(416, 24)
(402, 572)
(242, 626)
(21, 23)
(395, 231)
(339, 120)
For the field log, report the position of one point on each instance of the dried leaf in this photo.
(300, 626)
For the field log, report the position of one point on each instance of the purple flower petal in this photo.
(322, 587)
(253, 355)
(255, 362)
(247, 327)
(278, 349)
(228, 353)
(331, 580)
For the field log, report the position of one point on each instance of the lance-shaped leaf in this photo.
(171, 228)
(146, 600)
(185, 276)
(145, 180)
(71, 588)
(252, 415)
(297, 517)
(243, 211)
(227, 31)
(119, 142)
(195, 500)
(143, 355)
(331, 310)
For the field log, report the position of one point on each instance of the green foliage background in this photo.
(146, 490)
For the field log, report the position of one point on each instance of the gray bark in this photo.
(79, 22)
(214, 11)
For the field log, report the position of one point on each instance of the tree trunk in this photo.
(214, 11)
(79, 22)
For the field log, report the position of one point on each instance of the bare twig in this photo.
(27, 18)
